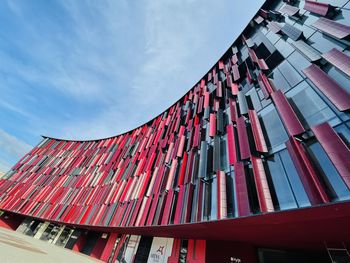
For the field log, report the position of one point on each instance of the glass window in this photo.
(272, 37)
(254, 99)
(324, 43)
(339, 77)
(307, 31)
(294, 179)
(333, 181)
(224, 164)
(279, 81)
(310, 18)
(311, 108)
(213, 210)
(298, 61)
(344, 133)
(230, 194)
(274, 132)
(252, 191)
(283, 190)
(244, 53)
(206, 201)
(343, 17)
(290, 74)
(284, 47)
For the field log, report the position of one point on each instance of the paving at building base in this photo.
(17, 248)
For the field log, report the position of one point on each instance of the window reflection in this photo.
(274, 132)
(288, 187)
(312, 109)
(335, 185)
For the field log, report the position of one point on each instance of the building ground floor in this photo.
(123, 247)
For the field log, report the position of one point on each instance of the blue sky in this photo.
(92, 69)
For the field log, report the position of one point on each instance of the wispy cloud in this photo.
(92, 69)
(11, 147)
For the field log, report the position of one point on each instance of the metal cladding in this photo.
(265, 130)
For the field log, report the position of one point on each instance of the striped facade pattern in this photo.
(211, 155)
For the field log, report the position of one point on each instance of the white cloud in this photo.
(13, 145)
(12, 148)
(120, 62)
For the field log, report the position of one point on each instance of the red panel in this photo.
(231, 144)
(241, 189)
(206, 99)
(175, 252)
(145, 184)
(329, 87)
(262, 187)
(235, 70)
(243, 138)
(109, 247)
(145, 212)
(183, 169)
(307, 172)
(234, 89)
(99, 247)
(10, 221)
(338, 59)
(221, 64)
(287, 114)
(167, 208)
(79, 244)
(336, 149)
(135, 212)
(265, 85)
(181, 146)
(152, 210)
(233, 111)
(196, 251)
(212, 125)
(332, 28)
(141, 211)
(316, 7)
(257, 132)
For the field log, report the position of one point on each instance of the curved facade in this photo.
(256, 154)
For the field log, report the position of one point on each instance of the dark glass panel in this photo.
(283, 190)
(336, 186)
(272, 126)
(311, 109)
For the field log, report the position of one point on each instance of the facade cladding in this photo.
(251, 165)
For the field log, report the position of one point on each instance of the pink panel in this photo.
(231, 144)
(257, 132)
(234, 89)
(241, 190)
(307, 172)
(221, 195)
(167, 208)
(262, 187)
(287, 114)
(329, 87)
(212, 125)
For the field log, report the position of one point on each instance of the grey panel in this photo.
(242, 102)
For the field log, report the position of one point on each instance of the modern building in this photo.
(251, 165)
